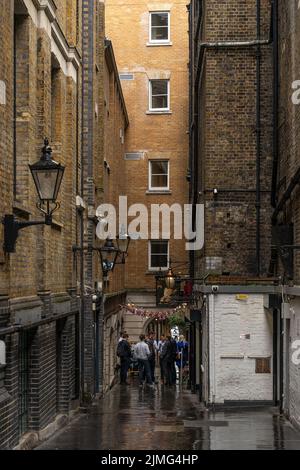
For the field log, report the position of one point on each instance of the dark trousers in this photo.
(144, 371)
(152, 368)
(161, 369)
(173, 372)
(125, 363)
(167, 368)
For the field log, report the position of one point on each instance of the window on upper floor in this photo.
(158, 255)
(158, 175)
(159, 27)
(159, 95)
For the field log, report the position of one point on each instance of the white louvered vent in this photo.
(126, 76)
(133, 156)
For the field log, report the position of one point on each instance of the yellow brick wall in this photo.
(114, 148)
(47, 105)
(165, 135)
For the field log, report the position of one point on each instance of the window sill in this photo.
(158, 191)
(232, 356)
(256, 356)
(158, 44)
(159, 112)
(156, 273)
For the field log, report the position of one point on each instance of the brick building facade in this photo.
(285, 197)
(51, 302)
(40, 79)
(231, 137)
(152, 58)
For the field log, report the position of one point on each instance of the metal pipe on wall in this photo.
(212, 346)
(275, 100)
(258, 137)
(257, 43)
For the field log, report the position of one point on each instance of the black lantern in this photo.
(47, 175)
(123, 242)
(108, 255)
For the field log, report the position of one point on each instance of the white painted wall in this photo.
(294, 372)
(232, 373)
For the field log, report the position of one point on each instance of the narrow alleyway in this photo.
(163, 419)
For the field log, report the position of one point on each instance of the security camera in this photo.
(215, 289)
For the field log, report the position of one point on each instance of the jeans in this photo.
(144, 370)
(125, 363)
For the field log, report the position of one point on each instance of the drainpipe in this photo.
(82, 307)
(191, 136)
(80, 242)
(258, 137)
(191, 101)
(275, 101)
(82, 216)
(228, 44)
(223, 45)
(212, 350)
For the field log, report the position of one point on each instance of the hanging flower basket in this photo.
(176, 320)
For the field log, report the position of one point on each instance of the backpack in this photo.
(121, 349)
(151, 348)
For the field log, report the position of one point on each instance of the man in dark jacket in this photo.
(166, 358)
(124, 353)
(150, 342)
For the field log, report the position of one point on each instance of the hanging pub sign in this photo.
(172, 290)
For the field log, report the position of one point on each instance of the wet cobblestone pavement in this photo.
(165, 419)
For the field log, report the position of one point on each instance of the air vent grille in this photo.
(126, 76)
(134, 156)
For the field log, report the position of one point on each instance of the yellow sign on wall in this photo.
(242, 297)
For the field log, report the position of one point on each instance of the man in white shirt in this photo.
(142, 354)
(122, 335)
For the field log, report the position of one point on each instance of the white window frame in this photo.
(150, 267)
(158, 188)
(159, 41)
(159, 110)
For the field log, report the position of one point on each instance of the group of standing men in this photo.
(145, 352)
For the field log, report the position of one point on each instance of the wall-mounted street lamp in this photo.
(123, 242)
(47, 175)
(108, 255)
